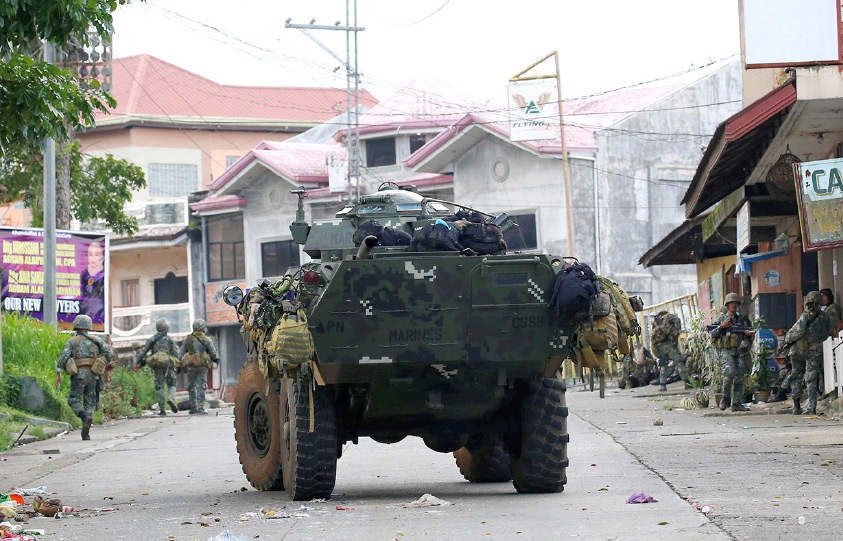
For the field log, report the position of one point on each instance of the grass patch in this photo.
(30, 352)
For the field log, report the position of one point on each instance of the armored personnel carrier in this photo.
(421, 338)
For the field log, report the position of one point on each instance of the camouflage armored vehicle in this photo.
(418, 338)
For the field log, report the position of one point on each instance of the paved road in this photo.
(178, 478)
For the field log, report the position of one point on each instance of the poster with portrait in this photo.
(82, 272)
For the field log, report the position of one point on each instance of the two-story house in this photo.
(184, 131)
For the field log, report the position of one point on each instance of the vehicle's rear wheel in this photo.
(483, 459)
(309, 433)
(540, 457)
(257, 428)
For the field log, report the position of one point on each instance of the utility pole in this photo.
(49, 314)
(565, 171)
(352, 88)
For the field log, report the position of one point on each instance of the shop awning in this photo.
(684, 245)
(736, 147)
(745, 262)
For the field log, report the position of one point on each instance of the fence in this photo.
(833, 365)
(686, 307)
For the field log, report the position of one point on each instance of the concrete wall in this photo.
(644, 166)
(269, 213)
(206, 149)
(146, 266)
(533, 185)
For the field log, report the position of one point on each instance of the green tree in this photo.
(98, 187)
(39, 100)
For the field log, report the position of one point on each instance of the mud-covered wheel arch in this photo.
(483, 459)
(309, 453)
(539, 457)
(257, 428)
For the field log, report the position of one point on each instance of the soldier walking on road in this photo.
(666, 329)
(197, 352)
(162, 359)
(732, 347)
(807, 336)
(85, 358)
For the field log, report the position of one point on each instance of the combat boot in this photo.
(723, 404)
(797, 407)
(739, 407)
(173, 406)
(87, 421)
(662, 387)
(780, 396)
(162, 412)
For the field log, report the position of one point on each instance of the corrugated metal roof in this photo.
(424, 101)
(144, 85)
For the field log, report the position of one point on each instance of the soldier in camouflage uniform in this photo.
(832, 311)
(666, 329)
(637, 367)
(160, 346)
(85, 385)
(807, 336)
(732, 348)
(201, 353)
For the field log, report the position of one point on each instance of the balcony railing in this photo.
(137, 323)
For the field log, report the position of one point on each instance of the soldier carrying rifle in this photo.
(732, 335)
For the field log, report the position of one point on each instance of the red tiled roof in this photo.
(298, 162)
(147, 86)
(219, 202)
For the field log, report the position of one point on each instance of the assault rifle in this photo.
(740, 329)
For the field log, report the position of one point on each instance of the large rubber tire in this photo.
(542, 458)
(257, 429)
(483, 459)
(308, 454)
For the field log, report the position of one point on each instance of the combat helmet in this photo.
(813, 300)
(199, 325)
(162, 325)
(828, 293)
(82, 322)
(732, 297)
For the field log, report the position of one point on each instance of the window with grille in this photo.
(277, 257)
(380, 152)
(229, 160)
(226, 252)
(523, 237)
(172, 179)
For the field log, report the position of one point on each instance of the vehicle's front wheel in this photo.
(257, 428)
(483, 459)
(540, 457)
(309, 434)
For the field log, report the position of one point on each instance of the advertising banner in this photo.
(819, 190)
(82, 272)
(533, 110)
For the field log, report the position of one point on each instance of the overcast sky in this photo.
(472, 45)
